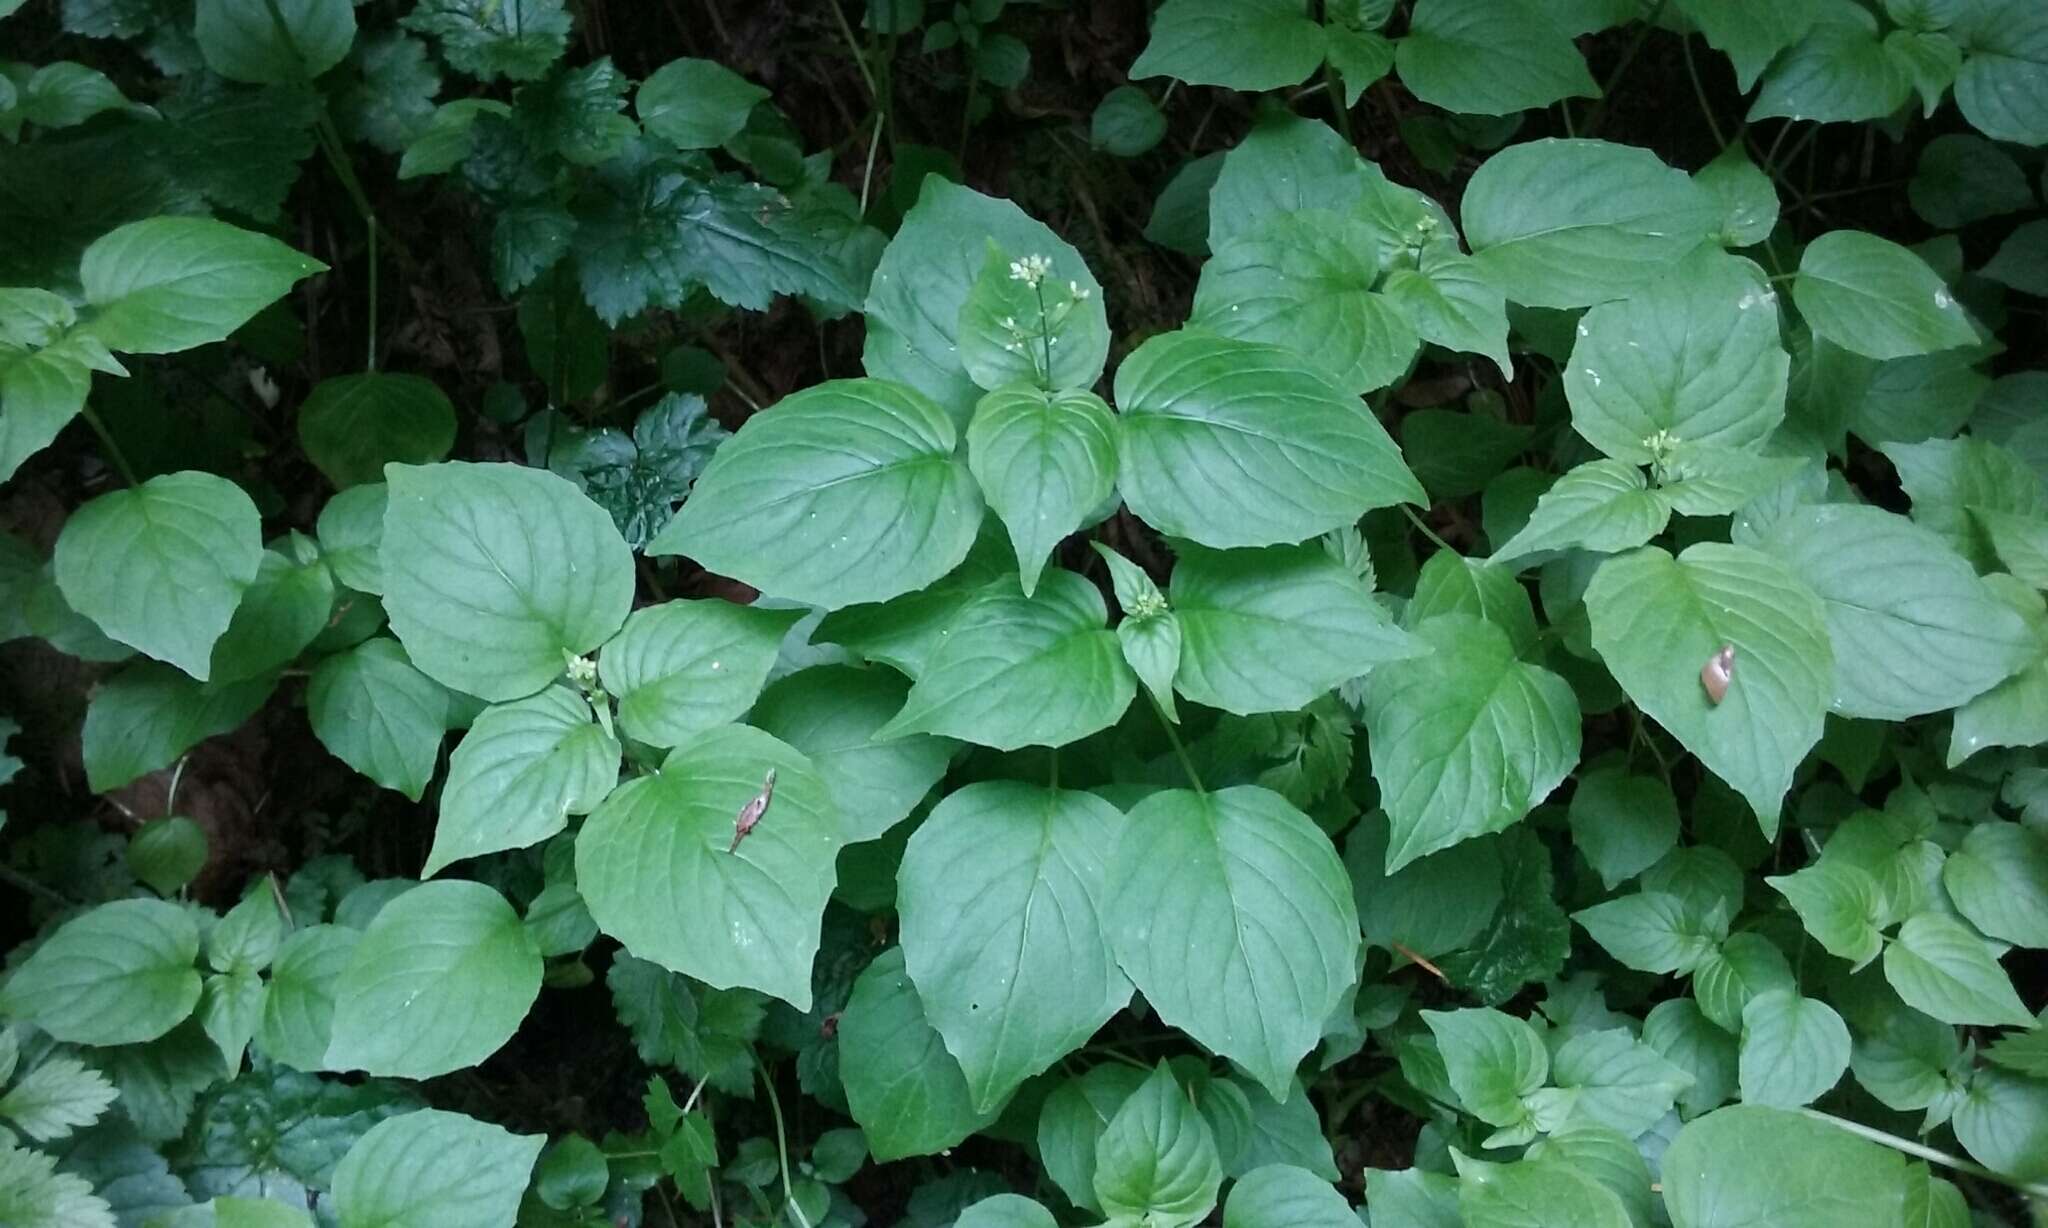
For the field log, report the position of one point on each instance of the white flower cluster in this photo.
(1031, 270)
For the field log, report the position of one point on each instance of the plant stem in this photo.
(2033, 1189)
(859, 61)
(10, 875)
(1426, 531)
(1337, 103)
(113, 450)
(337, 158)
(781, 1140)
(1628, 57)
(1173, 735)
(1699, 91)
(867, 176)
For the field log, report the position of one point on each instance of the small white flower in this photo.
(1077, 292)
(1031, 270)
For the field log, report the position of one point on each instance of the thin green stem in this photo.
(1187, 764)
(1337, 103)
(1699, 91)
(781, 1138)
(2033, 1189)
(113, 450)
(1424, 528)
(859, 61)
(867, 176)
(337, 157)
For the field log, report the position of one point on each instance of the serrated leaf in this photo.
(682, 667)
(520, 772)
(494, 574)
(1244, 860)
(1232, 443)
(1467, 739)
(440, 980)
(1490, 57)
(657, 866)
(1872, 297)
(1044, 462)
(59, 1096)
(905, 1090)
(379, 715)
(1658, 619)
(1691, 358)
(1304, 282)
(172, 283)
(515, 39)
(163, 565)
(1268, 630)
(1238, 44)
(1000, 894)
(1022, 671)
(1568, 223)
(846, 492)
(1941, 968)
(433, 1169)
(117, 975)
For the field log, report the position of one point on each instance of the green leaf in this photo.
(1961, 179)
(1247, 884)
(682, 667)
(379, 715)
(1872, 297)
(351, 532)
(1283, 1196)
(172, 283)
(905, 1090)
(1941, 968)
(1495, 1062)
(2002, 88)
(1750, 32)
(1953, 482)
(1231, 443)
(40, 392)
(1905, 1059)
(903, 632)
(1022, 671)
(521, 771)
(1412, 1198)
(655, 863)
(1745, 966)
(1126, 123)
(2003, 1123)
(117, 975)
(352, 424)
(846, 492)
(1528, 1195)
(488, 39)
(1691, 358)
(831, 713)
(162, 566)
(676, 1022)
(441, 979)
(1284, 165)
(298, 1010)
(1793, 1049)
(1657, 620)
(1021, 326)
(432, 1169)
(1431, 905)
(1750, 1164)
(1840, 71)
(1490, 57)
(1679, 1030)
(230, 1009)
(1303, 282)
(1839, 905)
(1453, 584)
(1604, 506)
(1569, 223)
(1467, 739)
(1007, 1211)
(1000, 893)
(2026, 1052)
(1616, 1080)
(144, 717)
(34, 1194)
(60, 1095)
(696, 104)
(282, 612)
(1268, 630)
(1655, 931)
(1237, 44)
(1044, 462)
(1448, 301)
(1156, 1161)
(2021, 262)
(1998, 880)
(1748, 198)
(927, 274)
(495, 574)
(274, 42)
(1622, 824)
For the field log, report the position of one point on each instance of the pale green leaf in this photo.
(1875, 298)
(1793, 1049)
(1998, 880)
(520, 772)
(682, 667)
(1044, 462)
(433, 1169)
(1940, 967)
(696, 104)
(1755, 1165)
(831, 713)
(117, 975)
(1490, 57)
(904, 1089)
(1238, 44)
(1156, 1162)
(172, 283)
(1283, 1196)
(274, 42)
(379, 715)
